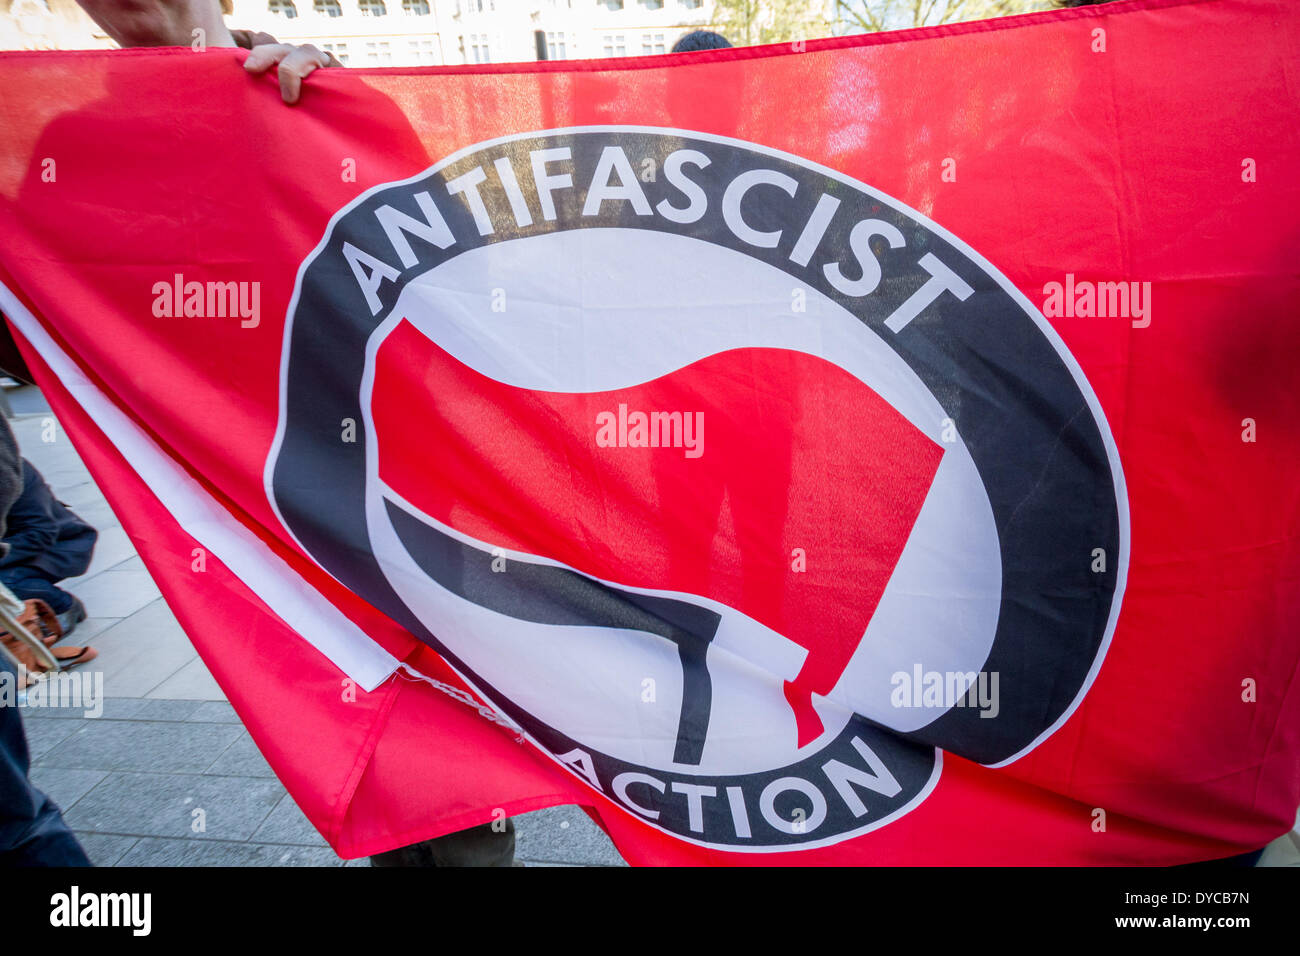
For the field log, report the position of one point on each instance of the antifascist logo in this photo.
(684, 453)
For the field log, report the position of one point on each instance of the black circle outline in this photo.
(1039, 449)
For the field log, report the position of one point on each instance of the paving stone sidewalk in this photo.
(167, 743)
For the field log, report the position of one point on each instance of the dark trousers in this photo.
(32, 831)
(477, 846)
(28, 582)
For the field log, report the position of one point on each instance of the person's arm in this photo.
(11, 475)
(173, 22)
(160, 22)
(31, 529)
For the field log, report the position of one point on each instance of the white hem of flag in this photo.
(294, 601)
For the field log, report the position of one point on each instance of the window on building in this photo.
(340, 51)
(329, 8)
(422, 52)
(555, 46)
(372, 8)
(613, 4)
(477, 50)
(615, 45)
(283, 8)
(653, 4)
(692, 4)
(652, 43)
(416, 8)
(378, 53)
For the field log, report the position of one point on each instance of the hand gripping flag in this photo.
(875, 450)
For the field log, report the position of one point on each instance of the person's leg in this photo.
(32, 831)
(33, 583)
(29, 583)
(477, 846)
(1239, 861)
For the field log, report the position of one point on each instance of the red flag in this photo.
(877, 450)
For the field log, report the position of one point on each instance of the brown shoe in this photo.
(42, 624)
(69, 657)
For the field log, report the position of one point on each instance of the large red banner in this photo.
(873, 450)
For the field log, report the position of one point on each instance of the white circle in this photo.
(631, 312)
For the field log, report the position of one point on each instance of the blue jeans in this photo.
(478, 846)
(33, 583)
(32, 831)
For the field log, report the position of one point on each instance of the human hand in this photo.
(293, 63)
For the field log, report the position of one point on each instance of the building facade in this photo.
(377, 33)
(48, 25)
(430, 32)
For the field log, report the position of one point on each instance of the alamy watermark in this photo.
(131, 911)
(1102, 300)
(624, 429)
(946, 689)
(208, 300)
(63, 689)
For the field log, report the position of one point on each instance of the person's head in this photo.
(160, 22)
(701, 40)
